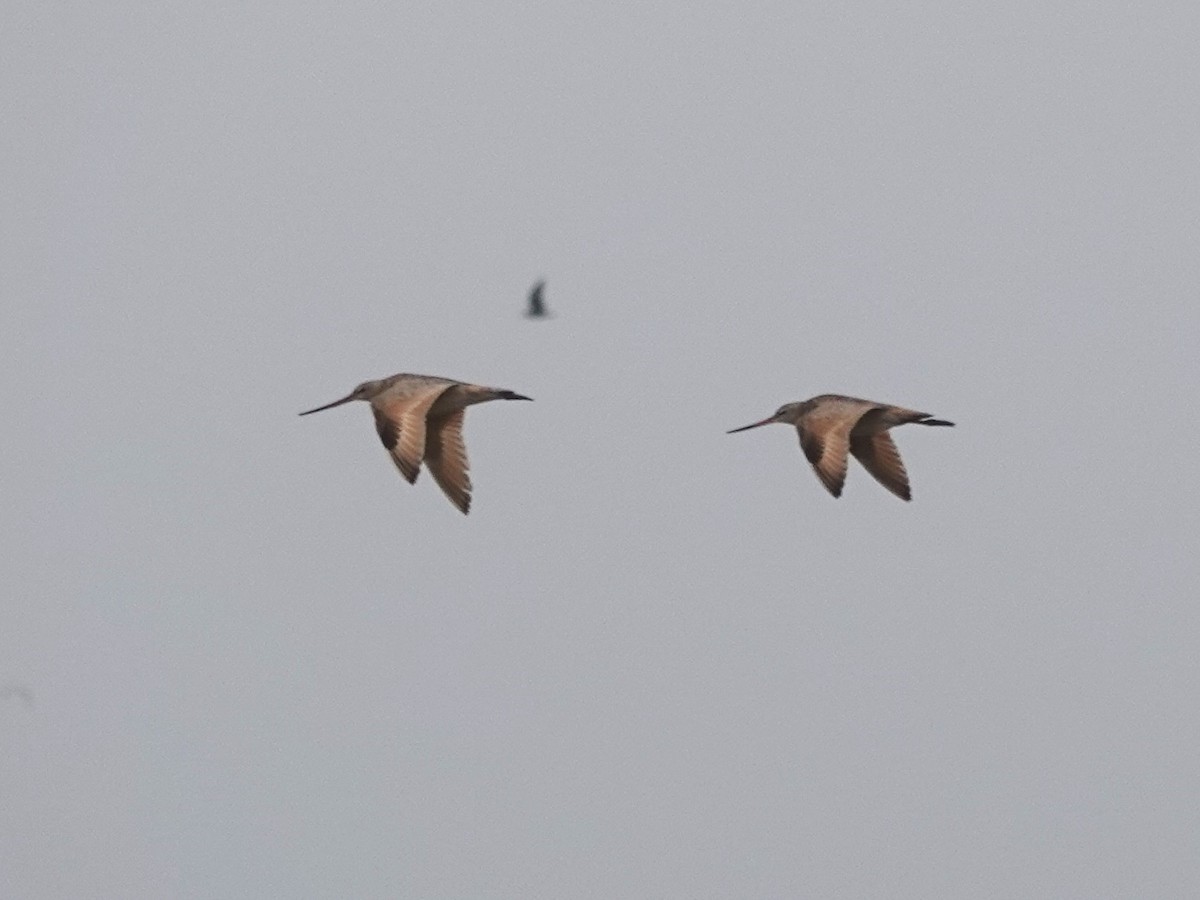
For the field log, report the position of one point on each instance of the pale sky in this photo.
(656, 661)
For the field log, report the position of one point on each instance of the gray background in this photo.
(655, 661)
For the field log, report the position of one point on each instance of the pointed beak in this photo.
(345, 399)
(766, 421)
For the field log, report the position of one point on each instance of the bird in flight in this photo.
(833, 427)
(537, 304)
(420, 419)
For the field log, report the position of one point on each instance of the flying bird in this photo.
(420, 419)
(537, 305)
(832, 426)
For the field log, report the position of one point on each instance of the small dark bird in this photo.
(833, 427)
(537, 306)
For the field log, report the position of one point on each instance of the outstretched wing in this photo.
(537, 306)
(879, 456)
(400, 421)
(446, 455)
(825, 440)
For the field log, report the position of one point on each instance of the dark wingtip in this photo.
(513, 395)
(937, 422)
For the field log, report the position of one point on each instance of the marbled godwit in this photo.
(537, 305)
(831, 426)
(420, 418)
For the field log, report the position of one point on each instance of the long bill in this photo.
(345, 399)
(766, 421)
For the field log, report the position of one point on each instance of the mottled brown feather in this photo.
(879, 456)
(825, 440)
(400, 422)
(446, 456)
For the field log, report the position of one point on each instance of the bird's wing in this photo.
(825, 440)
(400, 421)
(536, 306)
(446, 456)
(879, 456)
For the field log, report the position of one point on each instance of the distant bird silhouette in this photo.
(20, 691)
(832, 426)
(537, 305)
(420, 419)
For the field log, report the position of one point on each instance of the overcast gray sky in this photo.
(655, 660)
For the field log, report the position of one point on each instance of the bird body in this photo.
(833, 427)
(419, 418)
